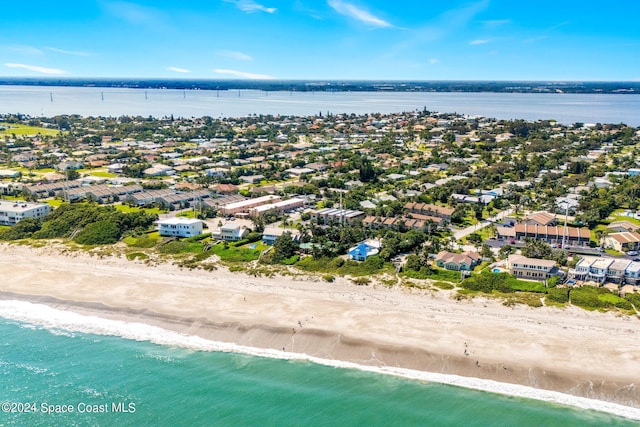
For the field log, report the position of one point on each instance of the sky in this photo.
(322, 39)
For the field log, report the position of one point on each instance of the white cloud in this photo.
(243, 74)
(235, 55)
(347, 9)
(36, 69)
(433, 61)
(178, 70)
(68, 52)
(135, 14)
(251, 6)
(478, 41)
(25, 50)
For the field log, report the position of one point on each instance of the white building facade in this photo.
(12, 212)
(179, 227)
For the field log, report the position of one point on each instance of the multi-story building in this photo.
(246, 205)
(281, 206)
(531, 268)
(12, 212)
(430, 210)
(328, 215)
(553, 235)
(179, 227)
(606, 269)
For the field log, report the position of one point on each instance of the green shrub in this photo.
(137, 255)
(329, 278)
(560, 295)
(592, 298)
(22, 230)
(102, 232)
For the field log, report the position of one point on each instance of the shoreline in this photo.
(570, 351)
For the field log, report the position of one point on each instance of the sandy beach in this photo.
(570, 350)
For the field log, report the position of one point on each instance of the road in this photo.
(485, 223)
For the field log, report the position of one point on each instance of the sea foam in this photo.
(56, 320)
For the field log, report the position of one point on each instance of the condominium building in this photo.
(12, 212)
(606, 269)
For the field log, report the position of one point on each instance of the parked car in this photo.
(632, 253)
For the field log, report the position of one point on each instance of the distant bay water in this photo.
(95, 101)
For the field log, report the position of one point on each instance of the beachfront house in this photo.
(465, 261)
(232, 231)
(364, 250)
(531, 268)
(270, 234)
(179, 227)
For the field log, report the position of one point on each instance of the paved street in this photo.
(485, 223)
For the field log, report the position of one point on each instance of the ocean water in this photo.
(47, 366)
(92, 101)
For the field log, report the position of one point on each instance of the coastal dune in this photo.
(569, 350)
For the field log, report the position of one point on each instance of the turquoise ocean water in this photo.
(44, 368)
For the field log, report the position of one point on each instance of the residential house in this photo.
(531, 268)
(465, 261)
(621, 226)
(623, 242)
(232, 231)
(179, 227)
(364, 250)
(270, 234)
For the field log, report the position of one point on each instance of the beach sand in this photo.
(570, 350)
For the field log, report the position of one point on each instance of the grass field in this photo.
(102, 174)
(20, 129)
(54, 202)
(128, 209)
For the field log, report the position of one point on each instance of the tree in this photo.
(475, 239)
(367, 172)
(284, 247)
(537, 249)
(486, 252)
(506, 250)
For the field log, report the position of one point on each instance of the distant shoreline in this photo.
(566, 350)
(575, 87)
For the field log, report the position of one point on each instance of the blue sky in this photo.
(323, 39)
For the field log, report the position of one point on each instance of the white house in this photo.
(232, 231)
(12, 212)
(179, 227)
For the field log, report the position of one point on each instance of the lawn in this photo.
(187, 214)
(20, 129)
(248, 252)
(54, 203)
(103, 174)
(129, 209)
(618, 215)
